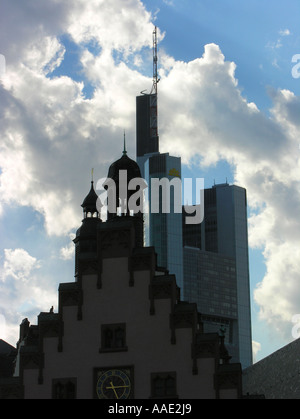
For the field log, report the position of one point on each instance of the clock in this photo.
(114, 383)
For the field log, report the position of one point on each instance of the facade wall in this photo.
(164, 230)
(222, 242)
(146, 125)
(163, 335)
(210, 280)
(233, 242)
(116, 302)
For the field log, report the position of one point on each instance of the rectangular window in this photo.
(113, 338)
(163, 385)
(64, 388)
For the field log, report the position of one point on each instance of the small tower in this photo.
(86, 235)
(89, 205)
(121, 172)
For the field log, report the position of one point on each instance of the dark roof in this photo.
(91, 199)
(124, 163)
(68, 286)
(5, 348)
(7, 357)
(47, 316)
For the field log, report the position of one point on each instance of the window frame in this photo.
(114, 346)
(64, 382)
(164, 376)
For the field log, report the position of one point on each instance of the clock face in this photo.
(113, 384)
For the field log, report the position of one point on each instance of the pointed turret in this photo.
(86, 235)
(89, 204)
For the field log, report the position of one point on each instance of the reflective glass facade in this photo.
(210, 259)
(164, 230)
(216, 267)
(210, 280)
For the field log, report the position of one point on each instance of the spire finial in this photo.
(92, 175)
(124, 151)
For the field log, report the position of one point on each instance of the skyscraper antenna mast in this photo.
(153, 94)
(155, 72)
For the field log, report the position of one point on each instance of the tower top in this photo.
(124, 149)
(155, 60)
(89, 204)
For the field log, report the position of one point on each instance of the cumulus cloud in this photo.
(211, 119)
(285, 32)
(18, 264)
(120, 24)
(67, 252)
(22, 290)
(51, 135)
(211, 106)
(256, 347)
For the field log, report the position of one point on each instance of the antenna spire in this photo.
(153, 94)
(155, 72)
(124, 150)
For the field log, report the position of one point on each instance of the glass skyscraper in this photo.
(216, 267)
(163, 230)
(210, 260)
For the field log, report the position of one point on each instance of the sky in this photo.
(229, 106)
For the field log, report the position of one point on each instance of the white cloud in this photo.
(284, 32)
(118, 24)
(51, 135)
(67, 252)
(45, 56)
(279, 43)
(278, 294)
(169, 2)
(256, 347)
(23, 290)
(18, 264)
(211, 118)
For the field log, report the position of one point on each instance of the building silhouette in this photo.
(121, 330)
(163, 229)
(216, 267)
(209, 259)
